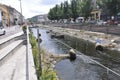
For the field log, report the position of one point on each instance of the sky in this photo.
(31, 8)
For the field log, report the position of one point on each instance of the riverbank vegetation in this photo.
(47, 72)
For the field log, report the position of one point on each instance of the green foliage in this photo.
(83, 8)
(24, 27)
(76, 8)
(67, 11)
(47, 73)
(33, 41)
(86, 8)
(109, 7)
(51, 14)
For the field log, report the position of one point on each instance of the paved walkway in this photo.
(14, 66)
(20, 66)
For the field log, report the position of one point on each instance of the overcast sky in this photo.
(32, 7)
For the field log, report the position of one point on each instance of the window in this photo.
(2, 13)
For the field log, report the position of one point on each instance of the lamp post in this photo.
(21, 11)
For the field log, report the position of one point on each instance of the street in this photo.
(11, 30)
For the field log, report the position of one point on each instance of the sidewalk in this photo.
(11, 30)
(15, 68)
(19, 66)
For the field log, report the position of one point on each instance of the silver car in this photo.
(2, 31)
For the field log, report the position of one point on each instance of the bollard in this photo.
(39, 40)
(39, 34)
(72, 55)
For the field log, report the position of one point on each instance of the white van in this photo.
(80, 19)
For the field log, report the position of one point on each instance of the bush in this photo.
(47, 73)
(24, 27)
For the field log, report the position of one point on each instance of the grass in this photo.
(47, 72)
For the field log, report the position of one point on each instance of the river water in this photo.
(80, 69)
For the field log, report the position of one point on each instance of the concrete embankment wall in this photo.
(89, 48)
(84, 46)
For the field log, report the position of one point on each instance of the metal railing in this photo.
(27, 52)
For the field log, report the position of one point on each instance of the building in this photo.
(15, 16)
(40, 18)
(96, 12)
(5, 16)
(10, 16)
(0, 15)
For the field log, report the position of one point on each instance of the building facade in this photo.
(0, 13)
(0, 16)
(40, 18)
(96, 12)
(5, 16)
(10, 16)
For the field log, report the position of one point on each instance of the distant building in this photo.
(40, 19)
(96, 12)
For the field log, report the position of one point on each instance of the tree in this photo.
(76, 8)
(86, 9)
(61, 11)
(67, 10)
(51, 14)
(109, 7)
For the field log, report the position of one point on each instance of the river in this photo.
(80, 69)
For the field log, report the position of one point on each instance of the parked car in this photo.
(100, 22)
(112, 22)
(2, 31)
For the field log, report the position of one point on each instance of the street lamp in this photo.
(21, 11)
(20, 6)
